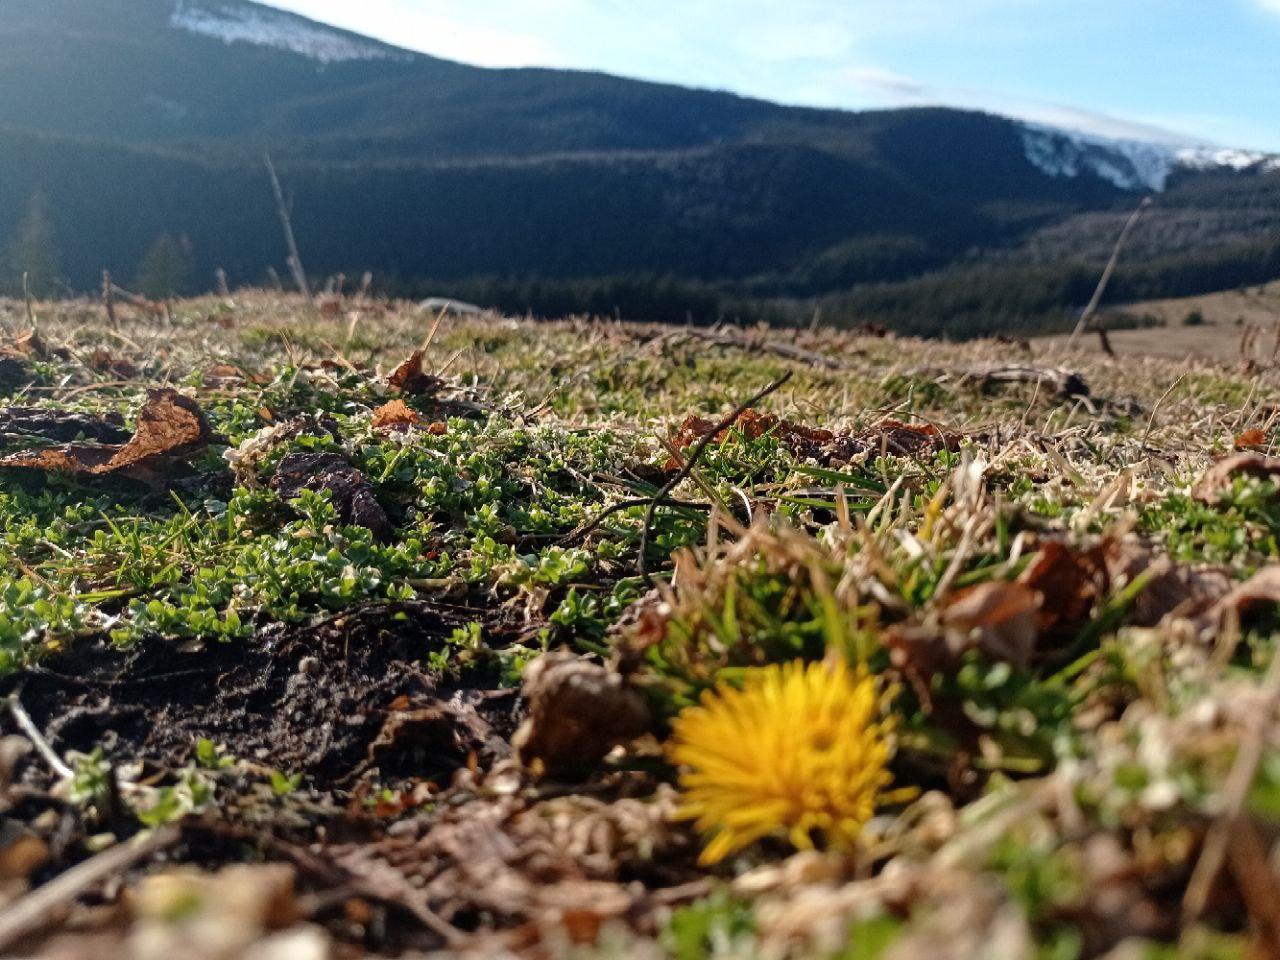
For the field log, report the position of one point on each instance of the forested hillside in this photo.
(132, 130)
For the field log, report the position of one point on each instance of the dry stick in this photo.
(1092, 308)
(692, 461)
(28, 727)
(108, 296)
(785, 350)
(435, 328)
(282, 208)
(26, 296)
(37, 909)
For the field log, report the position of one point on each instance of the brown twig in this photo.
(692, 461)
(31, 313)
(286, 223)
(1087, 315)
(761, 345)
(108, 297)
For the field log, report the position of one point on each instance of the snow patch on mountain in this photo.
(237, 23)
(1129, 164)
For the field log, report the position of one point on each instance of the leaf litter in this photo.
(362, 691)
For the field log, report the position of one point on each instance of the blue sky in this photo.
(1199, 70)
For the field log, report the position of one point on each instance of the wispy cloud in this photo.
(1024, 58)
(879, 87)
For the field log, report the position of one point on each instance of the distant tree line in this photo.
(750, 235)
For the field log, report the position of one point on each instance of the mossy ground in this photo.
(1066, 795)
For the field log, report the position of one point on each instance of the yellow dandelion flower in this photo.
(798, 751)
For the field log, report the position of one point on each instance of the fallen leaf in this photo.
(435, 738)
(1219, 477)
(1000, 618)
(104, 361)
(1254, 437)
(224, 373)
(349, 491)
(910, 438)
(922, 652)
(802, 441)
(1260, 590)
(170, 426)
(396, 413)
(410, 379)
(578, 712)
(62, 425)
(1070, 584)
(31, 344)
(1172, 589)
(438, 428)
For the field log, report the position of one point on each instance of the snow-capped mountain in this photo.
(265, 27)
(1129, 164)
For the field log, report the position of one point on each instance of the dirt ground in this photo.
(1228, 317)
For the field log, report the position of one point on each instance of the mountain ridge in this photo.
(141, 119)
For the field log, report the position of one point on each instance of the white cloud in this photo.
(1271, 5)
(813, 52)
(873, 86)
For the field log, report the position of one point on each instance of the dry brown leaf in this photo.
(752, 424)
(1218, 478)
(910, 438)
(920, 653)
(1254, 437)
(31, 344)
(170, 426)
(1069, 582)
(1171, 589)
(224, 374)
(578, 711)
(444, 733)
(1001, 618)
(62, 425)
(349, 490)
(396, 413)
(410, 379)
(1260, 590)
(104, 361)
